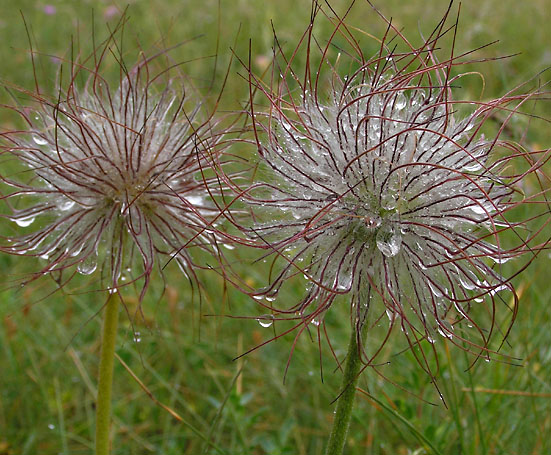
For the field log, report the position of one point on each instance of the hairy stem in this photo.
(345, 401)
(105, 382)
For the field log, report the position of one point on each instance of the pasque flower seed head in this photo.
(381, 187)
(114, 176)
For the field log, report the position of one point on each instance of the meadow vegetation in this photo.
(176, 381)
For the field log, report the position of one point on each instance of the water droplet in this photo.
(76, 251)
(434, 289)
(88, 265)
(460, 309)
(265, 320)
(137, 337)
(39, 140)
(389, 201)
(444, 332)
(466, 283)
(66, 205)
(400, 102)
(499, 259)
(482, 208)
(345, 281)
(389, 241)
(51, 426)
(124, 208)
(501, 287)
(24, 222)
(195, 200)
(472, 167)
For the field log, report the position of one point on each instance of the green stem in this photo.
(345, 401)
(105, 382)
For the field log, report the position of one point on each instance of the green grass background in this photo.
(49, 344)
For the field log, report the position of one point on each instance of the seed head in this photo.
(383, 188)
(113, 176)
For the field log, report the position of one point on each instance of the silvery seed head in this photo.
(382, 188)
(111, 176)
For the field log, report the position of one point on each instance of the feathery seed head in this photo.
(114, 176)
(383, 190)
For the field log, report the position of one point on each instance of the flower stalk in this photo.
(345, 401)
(113, 176)
(105, 381)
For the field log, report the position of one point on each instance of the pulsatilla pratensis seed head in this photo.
(114, 174)
(383, 188)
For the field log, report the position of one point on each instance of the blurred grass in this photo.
(49, 345)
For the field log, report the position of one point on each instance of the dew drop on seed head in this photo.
(137, 337)
(88, 266)
(389, 241)
(435, 290)
(24, 222)
(345, 281)
(472, 167)
(265, 320)
(39, 140)
(400, 102)
(499, 259)
(66, 205)
(466, 284)
(497, 289)
(76, 251)
(389, 201)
